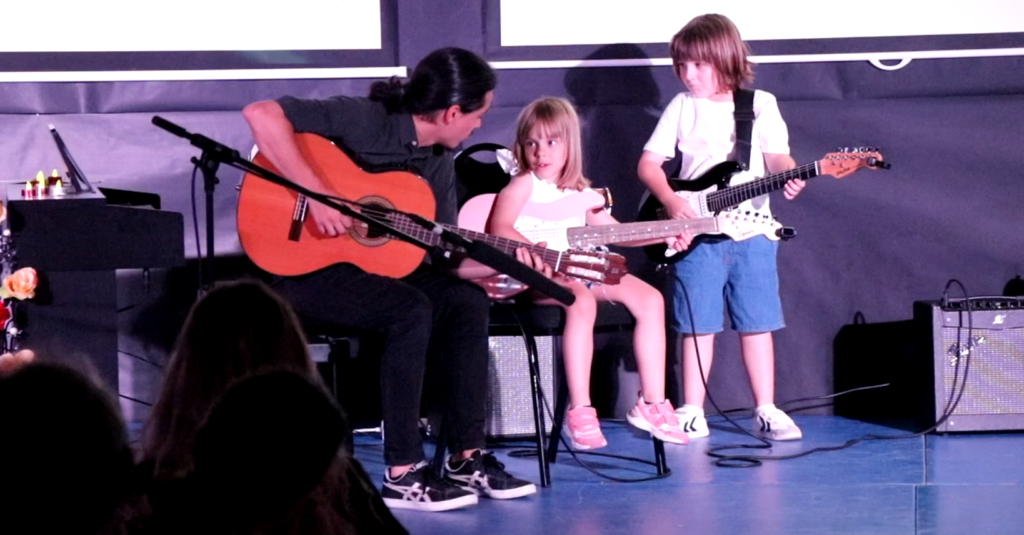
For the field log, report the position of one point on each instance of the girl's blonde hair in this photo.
(557, 118)
(716, 40)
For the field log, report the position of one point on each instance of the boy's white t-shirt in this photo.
(705, 133)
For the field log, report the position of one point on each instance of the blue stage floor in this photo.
(951, 484)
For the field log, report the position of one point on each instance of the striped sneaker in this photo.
(483, 474)
(693, 421)
(773, 424)
(421, 489)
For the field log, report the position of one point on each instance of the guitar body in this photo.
(278, 235)
(695, 193)
(547, 222)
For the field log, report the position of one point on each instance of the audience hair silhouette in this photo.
(244, 437)
(238, 329)
(65, 462)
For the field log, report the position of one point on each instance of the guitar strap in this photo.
(744, 114)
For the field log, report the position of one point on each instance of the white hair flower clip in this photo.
(507, 161)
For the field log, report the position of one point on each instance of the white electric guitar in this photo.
(558, 223)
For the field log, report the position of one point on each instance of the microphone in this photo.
(208, 145)
(169, 126)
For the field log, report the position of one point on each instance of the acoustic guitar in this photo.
(277, 235)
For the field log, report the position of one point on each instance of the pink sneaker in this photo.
(584, 429)
(658, 419)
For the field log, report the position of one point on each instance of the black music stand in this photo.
(76, 177)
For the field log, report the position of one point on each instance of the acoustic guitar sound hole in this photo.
(369, 236)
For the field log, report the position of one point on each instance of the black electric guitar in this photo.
(710, 194)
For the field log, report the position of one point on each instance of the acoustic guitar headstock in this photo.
(594, 266)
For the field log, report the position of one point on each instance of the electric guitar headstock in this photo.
(846, 160)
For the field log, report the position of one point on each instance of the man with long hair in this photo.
(433, 316)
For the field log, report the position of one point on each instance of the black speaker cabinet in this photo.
(991, 353)
(871, 354)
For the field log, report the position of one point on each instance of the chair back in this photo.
(478, 172)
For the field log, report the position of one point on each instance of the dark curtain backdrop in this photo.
(871, 243)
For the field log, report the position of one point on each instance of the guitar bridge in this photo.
(298, 218)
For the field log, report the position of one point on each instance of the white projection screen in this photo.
(599, 22)
(128, 36)
(189, 26)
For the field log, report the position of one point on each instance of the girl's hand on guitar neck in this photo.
(329, 221)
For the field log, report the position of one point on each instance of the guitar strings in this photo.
(537, 235)
(777, 180)
(406, 226)
(381, 214)
(769, 183)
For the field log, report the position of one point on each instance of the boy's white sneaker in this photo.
(692, 420)
(773, 424)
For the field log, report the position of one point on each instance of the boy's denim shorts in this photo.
(719, 271)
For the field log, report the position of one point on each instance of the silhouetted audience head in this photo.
(268, 442)
(237, 329)
(244, 437)
(266, 445)
(65, 464)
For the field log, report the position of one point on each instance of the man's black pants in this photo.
(429, 319)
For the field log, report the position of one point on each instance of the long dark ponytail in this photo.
(446, 77)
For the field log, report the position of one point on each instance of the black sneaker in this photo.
(484, 474)
(422, 490)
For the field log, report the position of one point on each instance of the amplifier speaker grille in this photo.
(993, 397)
(509, 401)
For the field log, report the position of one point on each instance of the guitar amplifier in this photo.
(990, 352)
(509, 397)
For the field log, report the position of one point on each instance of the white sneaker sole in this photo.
(640, 423)
(577, 446)
(507, 494)
(432, 507)
(511, 494)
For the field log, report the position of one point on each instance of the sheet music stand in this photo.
(79, 183)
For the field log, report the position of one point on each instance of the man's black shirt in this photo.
(377, 140)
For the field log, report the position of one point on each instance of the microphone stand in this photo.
(215, 153)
